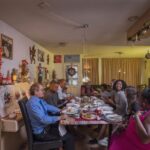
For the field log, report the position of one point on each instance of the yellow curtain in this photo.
(128, 69)
(90, 66)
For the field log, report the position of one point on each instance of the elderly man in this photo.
(45, 127)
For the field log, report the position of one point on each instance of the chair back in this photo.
(22, 104)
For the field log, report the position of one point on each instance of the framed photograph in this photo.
(40, 56)
(7, 46)
(71, 58)
(57, 59)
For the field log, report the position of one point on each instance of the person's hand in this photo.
(63, 117)
(70, 98)
(135, 107)
(107, 100)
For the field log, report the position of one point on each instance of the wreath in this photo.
(71, 71)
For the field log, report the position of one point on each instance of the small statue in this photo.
(53, 75)
(32, 54)
(48, 59)
(14, 75)
(46, 74)
(9, 81)
(25, 71)
(40, 73)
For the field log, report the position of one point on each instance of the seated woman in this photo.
(137, 134)
(118, 100)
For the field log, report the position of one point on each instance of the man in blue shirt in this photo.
(45, 127)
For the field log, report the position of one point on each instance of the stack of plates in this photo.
(113, 118)
(107, 108)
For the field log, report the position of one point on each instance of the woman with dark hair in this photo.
(137, 134)
(119, 100)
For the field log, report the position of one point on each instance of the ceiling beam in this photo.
(138, 25)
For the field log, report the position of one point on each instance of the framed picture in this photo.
(71, 58)
(57, 59)
(7, 46)
(40, 56)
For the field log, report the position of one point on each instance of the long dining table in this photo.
(70, 119)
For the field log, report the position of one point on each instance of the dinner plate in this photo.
(107, 108)
(105, 112)
(113, 117)
(89, 116)
(89, 108)
(98, 101)
(73, 105)
(70, 111)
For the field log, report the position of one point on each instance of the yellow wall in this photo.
(104, 52)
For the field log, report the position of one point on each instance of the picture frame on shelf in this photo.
(7, 47)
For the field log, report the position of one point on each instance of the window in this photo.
(72, 79)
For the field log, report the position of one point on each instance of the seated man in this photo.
(51, 95)
(45, 127)
(62, 84)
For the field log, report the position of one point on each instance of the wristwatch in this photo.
(135, 116)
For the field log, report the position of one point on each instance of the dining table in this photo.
(90, 111)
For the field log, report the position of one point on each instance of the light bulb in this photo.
(119, 70)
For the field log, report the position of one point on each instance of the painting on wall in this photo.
(40, 56)
(57, 59)
(7, 46)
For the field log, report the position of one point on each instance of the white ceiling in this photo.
(57, 20)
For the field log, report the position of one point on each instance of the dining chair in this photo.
(32, 143)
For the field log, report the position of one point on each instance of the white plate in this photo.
(114, 117)
(107, 112)
(73, 105)
(107, 108)
(70, 111)
(89, 116)
(100, 102)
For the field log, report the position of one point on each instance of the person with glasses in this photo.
(44, 125)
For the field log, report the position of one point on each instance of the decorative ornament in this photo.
(1, 77)
(40, 73)
(48, 59)
(32, 54)
(71, 71)
(53, 75)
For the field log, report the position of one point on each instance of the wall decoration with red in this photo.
(57, 58)
(0, 65)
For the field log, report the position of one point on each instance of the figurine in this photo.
(14, 75)
(32, 54)
(40, 73)
(25, 71)
(48, 59)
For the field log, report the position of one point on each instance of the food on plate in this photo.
(88, 116)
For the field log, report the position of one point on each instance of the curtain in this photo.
(128, 69)
(90, 67)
